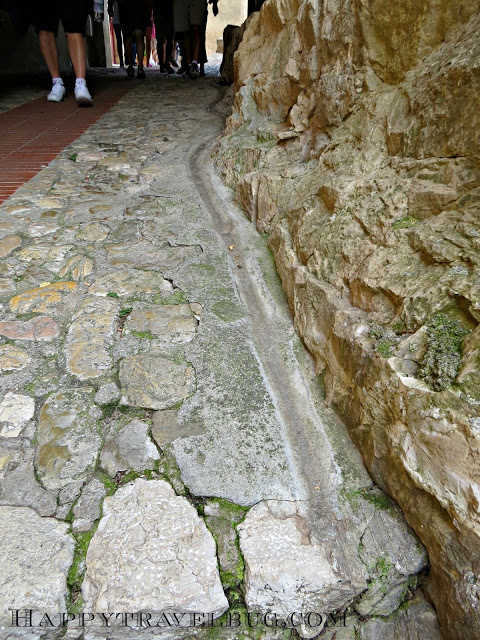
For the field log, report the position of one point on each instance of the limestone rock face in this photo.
(152, 552)
(354, 142)
(35, 556)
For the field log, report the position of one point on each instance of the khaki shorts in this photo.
(188, 12)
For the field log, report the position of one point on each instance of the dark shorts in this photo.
(135, 14)
(72, 13)
(163, 17)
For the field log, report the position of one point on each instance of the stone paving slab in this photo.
(152, 552)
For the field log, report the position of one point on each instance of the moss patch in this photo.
(77, 570)
(406, 222)
(385, 339)
(175, 297)
(444, 351)
(378, 499)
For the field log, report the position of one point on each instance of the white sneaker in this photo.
(57, 94)
(82, 95)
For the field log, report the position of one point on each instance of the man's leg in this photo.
(48, 48)
(118, 37)
(139, 39)
(76, 49)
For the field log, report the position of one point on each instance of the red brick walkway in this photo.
(33, 134)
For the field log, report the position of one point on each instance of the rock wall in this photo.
(354, 143)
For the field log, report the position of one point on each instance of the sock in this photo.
(80, 81)
(57, 81)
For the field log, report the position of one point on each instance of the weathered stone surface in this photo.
(35, 556)
(49, 203)
(88, 507)
(6, 286)
(274, 536)
(393, 556)
(9, 244)
(12, 358)
(67, 438)
(93, 232)
(152, 552)
(144, 255)
(131, 448)
(107, 394)
(172, 323)
(40, 328)
(42, 228)
(415, 622)
(154, 382)
(167, 427)
(66, 497)
(129, 282)
(90, 338)
(42, 299)
(15, 411)
(377, 232)
(20, 488)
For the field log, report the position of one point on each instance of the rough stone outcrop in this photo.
(354, 142)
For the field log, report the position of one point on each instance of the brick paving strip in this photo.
(34, 133)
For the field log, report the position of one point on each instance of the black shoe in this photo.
(130, 72)
(193, 71)
(141, 74)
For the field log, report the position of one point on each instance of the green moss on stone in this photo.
(175, 297)
(406, 222)
(384, 348)
(142, 334)
(444, 351)
(77, 570)
(107, 482)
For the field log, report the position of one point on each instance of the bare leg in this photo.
(140, 46)
(48, 47)
(164, 53)
(76, 49)
(195, 42)
(148, 46)
(128, 51)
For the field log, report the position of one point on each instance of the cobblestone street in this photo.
(164, 446)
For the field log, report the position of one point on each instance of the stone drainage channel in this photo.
(166, 459)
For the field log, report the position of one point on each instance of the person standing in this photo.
(73, 14)
(114, 14)
(163, 19)
(188, 17)
(135, 17)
